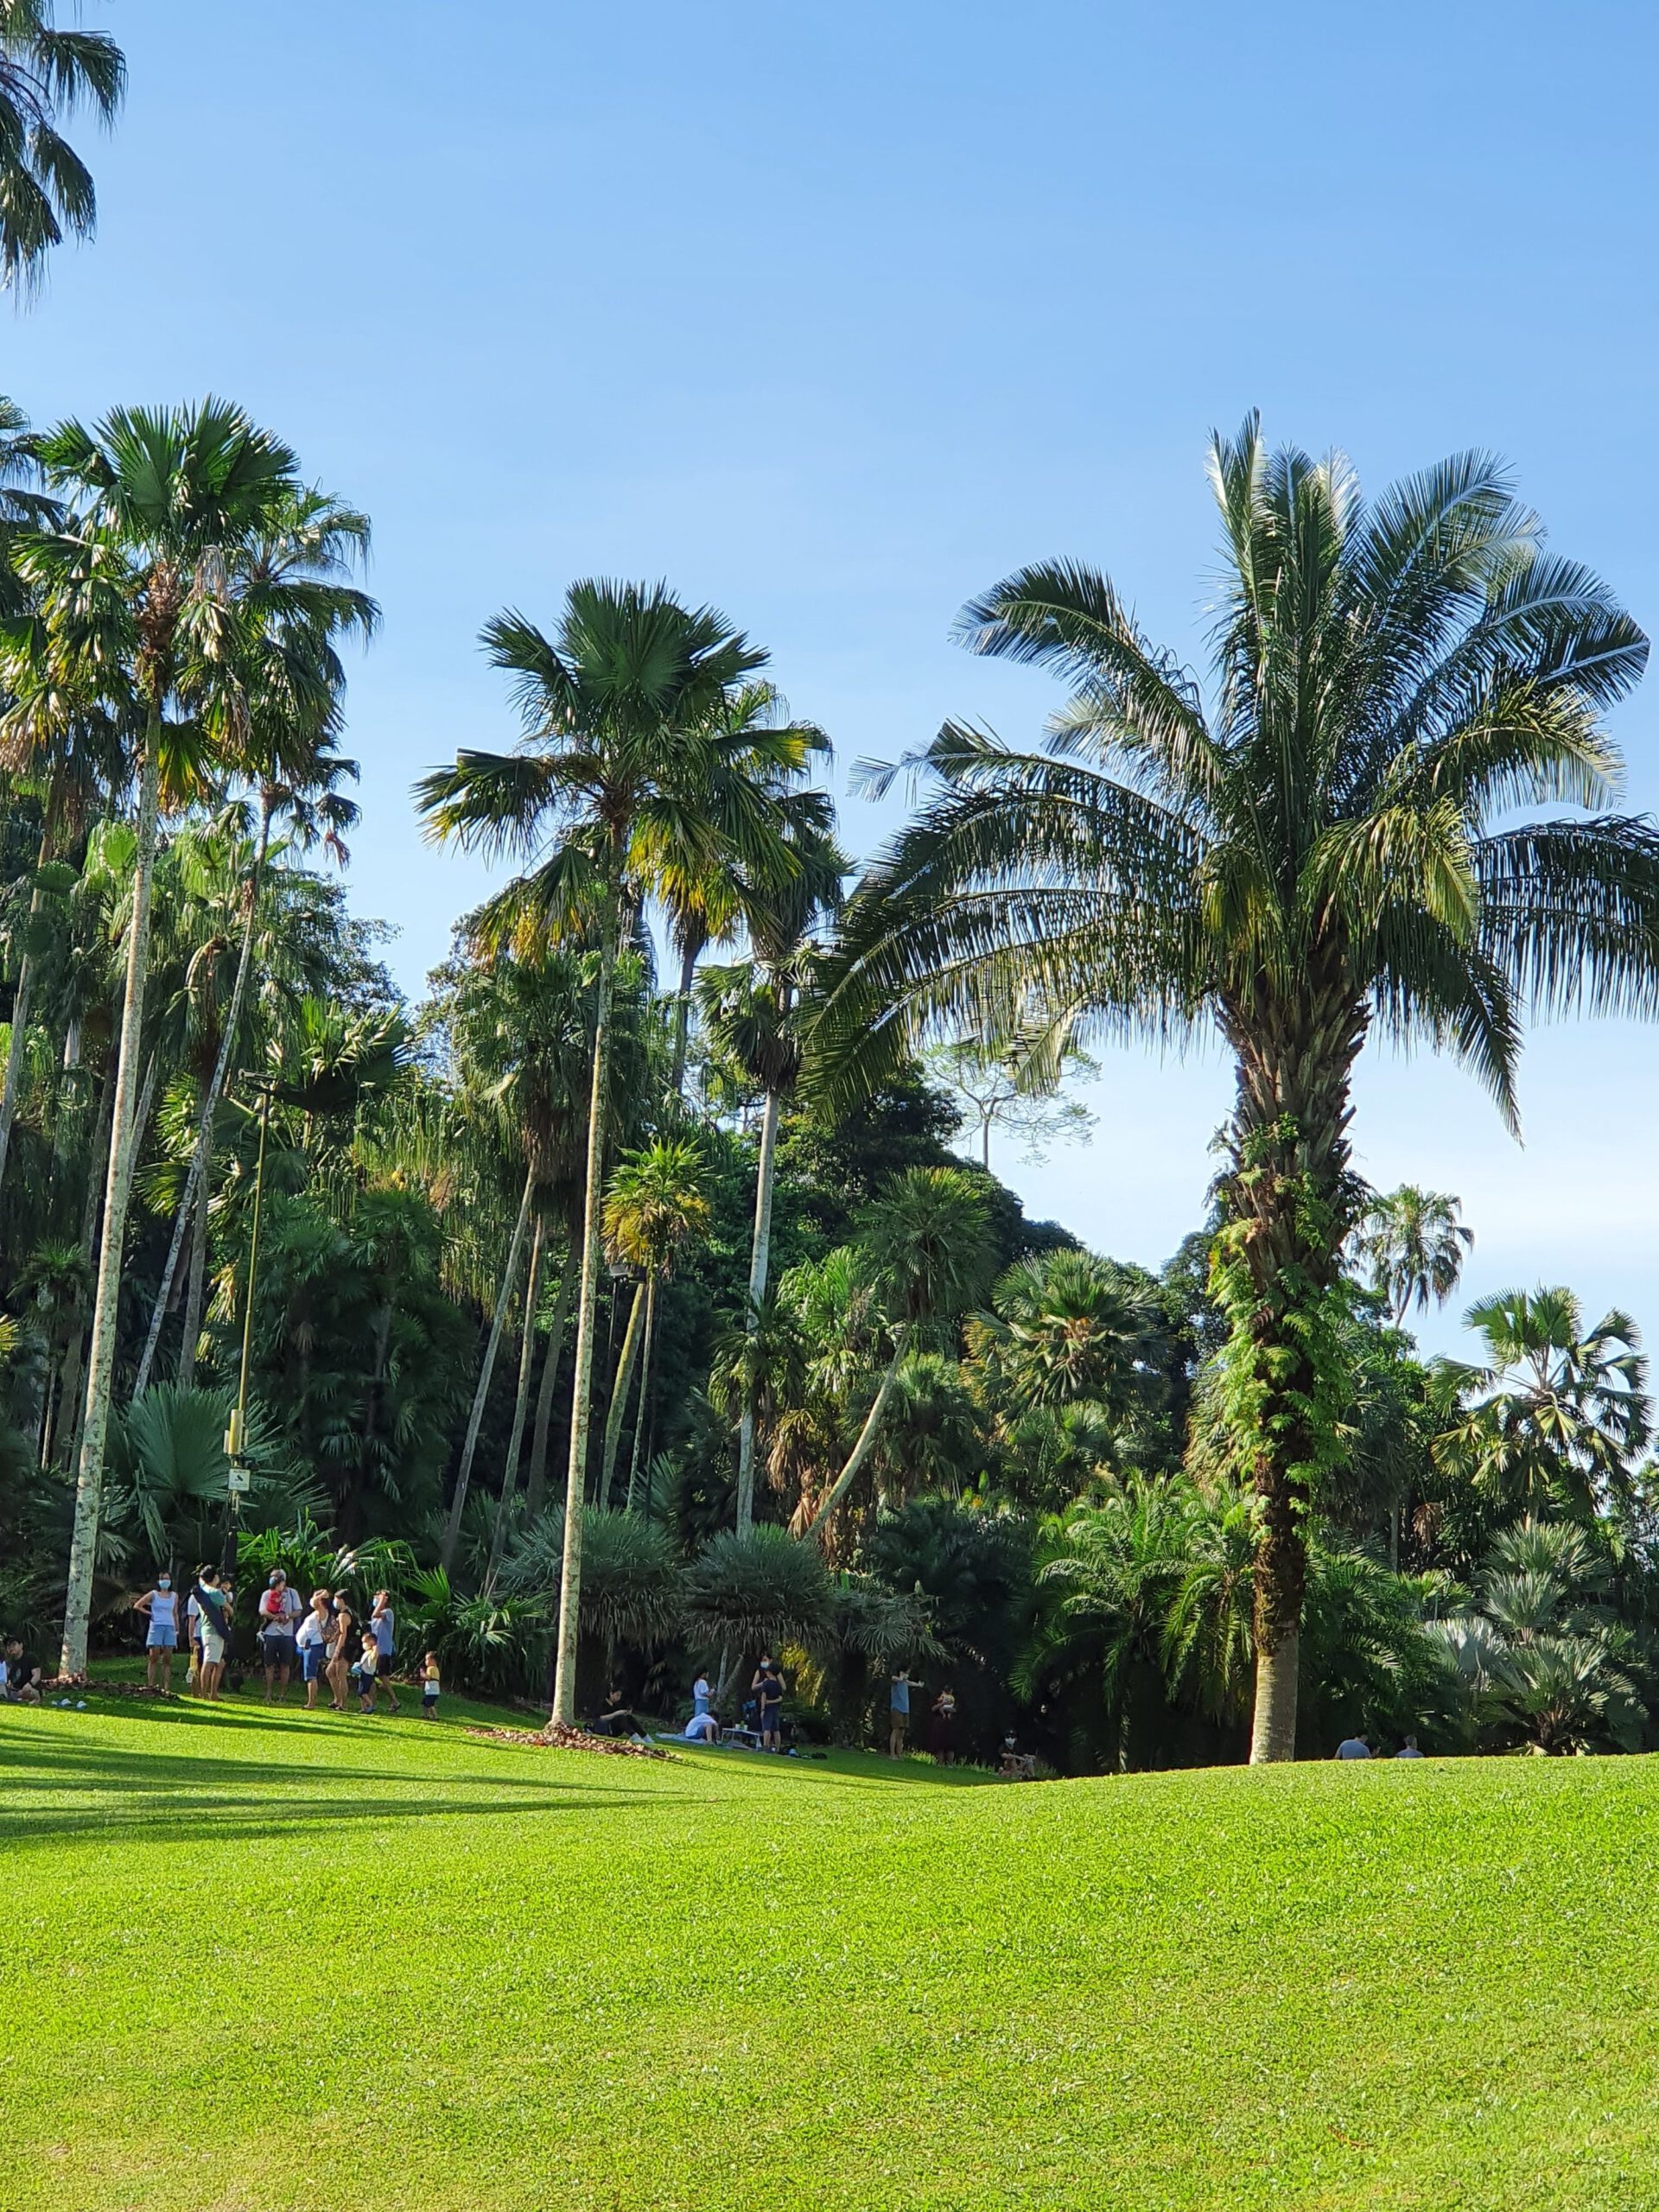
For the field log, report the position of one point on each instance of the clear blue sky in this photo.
(832, 313)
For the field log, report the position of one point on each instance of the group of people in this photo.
(941, 1719)
(1359, 1747)
(322, 1643)
(763, 1711)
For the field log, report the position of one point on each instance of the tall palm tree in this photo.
(132, 599)
(46, 73)
(926, 1242)
(621, 767)
(1415, 1245)
(1557, 1415)
(1326, 848)
(297, 602)
(657, 1203)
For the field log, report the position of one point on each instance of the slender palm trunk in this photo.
(13, 1083)
(581, 1406)
(201, 1156)
(521, 1406)
(536, 1485)
(497, 1319)
(194, 1291)
(89, 1482)
(643, 1415)
(682, 1018)
(759, 1260)
(867, 1435)
(619, 1410)
(1289, 1204)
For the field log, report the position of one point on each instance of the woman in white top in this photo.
(313, 1637)
(160, 1607)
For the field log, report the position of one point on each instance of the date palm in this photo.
(622, 769)
(46, 73)
(132, 604)
(1323, 848)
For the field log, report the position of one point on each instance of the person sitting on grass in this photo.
(366, 1669)
(20, 1677)
(1354, 1747)
(615, 1716)
(429, 1686)
(160, 1607)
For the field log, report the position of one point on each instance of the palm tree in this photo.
(133, 599)
(1324, 851)
(1556, 1416)
(621, 767)
(291, 582)
(1415, 1245)
(657, 1203)
(44, 75)
(926, 1244)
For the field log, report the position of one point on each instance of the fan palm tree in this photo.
(622, 769)
(1327, 849)
(292, 585)
(46, 73)
(1556, 1416)
(926, 1244)
(1414, 1246)
(133, 602)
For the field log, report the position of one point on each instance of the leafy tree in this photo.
(1414, 1247)
(1326, 849)
(46, 74)
(657, 1203)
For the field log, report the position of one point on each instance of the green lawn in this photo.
(250, 1962)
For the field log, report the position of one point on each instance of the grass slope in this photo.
(252, 1961)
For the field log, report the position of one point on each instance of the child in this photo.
(366, 1669)
(429, 1686)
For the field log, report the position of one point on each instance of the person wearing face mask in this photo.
(160, 1607)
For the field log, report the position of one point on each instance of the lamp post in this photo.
(239, 1478)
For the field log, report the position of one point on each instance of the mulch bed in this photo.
(555, 1737)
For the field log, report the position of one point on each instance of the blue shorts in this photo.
(161, 1639)
(313, 1662)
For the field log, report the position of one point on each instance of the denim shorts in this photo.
(313, 1661)
(161, 1639)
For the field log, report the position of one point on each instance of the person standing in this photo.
(213, 1615)
(899, 1690)
(368, 1665)
(767, 1688)
(312, 1644)
(942, 1728)
(339, 1651)
(382, 1626)
(431, 1682)
(160, 1607)
(279, 1610)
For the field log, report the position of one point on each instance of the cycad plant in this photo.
(1324, 848)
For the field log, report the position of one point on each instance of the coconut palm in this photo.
(657, 1203)
(1556, 1416)
(622, 769)
(46, 74)
(926, 1244)
(1414, 1246)
(133, 603)
(1327, 849)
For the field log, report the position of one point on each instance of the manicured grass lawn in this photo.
(252, 1962)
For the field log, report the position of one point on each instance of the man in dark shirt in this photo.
(768, 1687)
(21, 1673)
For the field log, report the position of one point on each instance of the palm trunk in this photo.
(194, 1293)
(520, 1407)
(13, 1077)
(1289, 1202)
(497, 1319)
(201, 1156)
(682, 1018)
(619, 1410)
(89, 1482)
(536, 1486)
(582, 1407)
(639, 1418)
(760, 1258)
(867, 1435)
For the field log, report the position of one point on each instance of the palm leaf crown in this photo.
(1391, 681)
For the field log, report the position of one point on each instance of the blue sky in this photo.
(833, 314)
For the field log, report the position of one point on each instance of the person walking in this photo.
(899, 1690)
(942, 1728)
(311, 1643)
(382, 1625)
(279, 1611)
(160, 1607)
(213, 1615)
(339, 1652)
